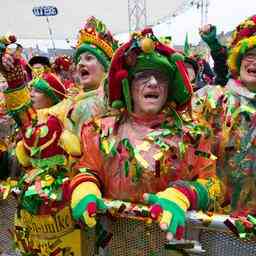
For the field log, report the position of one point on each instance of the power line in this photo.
(201, 5)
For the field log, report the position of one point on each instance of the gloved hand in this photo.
(208, 33)
(4, 42)
(10, 66)
(86, 201)
(169, 208)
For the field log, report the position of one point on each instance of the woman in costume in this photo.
(45, 149)
(146, 153)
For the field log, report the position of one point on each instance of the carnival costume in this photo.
(45, 152)
(126, 156)
(96, 39)
(231, 111)
(76, 109)
(219, 54)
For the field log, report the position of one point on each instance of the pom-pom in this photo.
(156, 211)
(121, 74)
(147, 45)
(91, 209)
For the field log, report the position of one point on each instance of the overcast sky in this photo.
(225, 14)
(16, 16)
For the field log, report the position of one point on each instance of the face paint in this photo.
(37, 70)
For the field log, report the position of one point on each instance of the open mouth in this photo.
(84, 73)
(151, 95)
(251, 71)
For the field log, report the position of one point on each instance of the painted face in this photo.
(149, 92)
(40, 100)
(248, 70)
(37, 70)
(90, 71)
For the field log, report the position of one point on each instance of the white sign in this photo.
(45, 11)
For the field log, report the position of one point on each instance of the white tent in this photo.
(17, 16)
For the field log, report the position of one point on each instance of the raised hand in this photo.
(205, 29)
(208, 33)
(6, 58)
(8, 62)
(12, 70)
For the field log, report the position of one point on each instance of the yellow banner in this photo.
(48, 235)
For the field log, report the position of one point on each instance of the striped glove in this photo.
(86, 201)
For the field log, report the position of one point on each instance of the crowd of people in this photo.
(139, 123)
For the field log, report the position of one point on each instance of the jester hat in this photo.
(145, 52)
(96, 39)
(243, 40)
(51, 86)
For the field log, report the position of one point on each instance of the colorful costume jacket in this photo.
(74, 111)
(131, 155)
(231, 112)
(48, 145)
(45, 151)
(86, 105)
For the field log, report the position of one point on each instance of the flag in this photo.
(186, 48)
